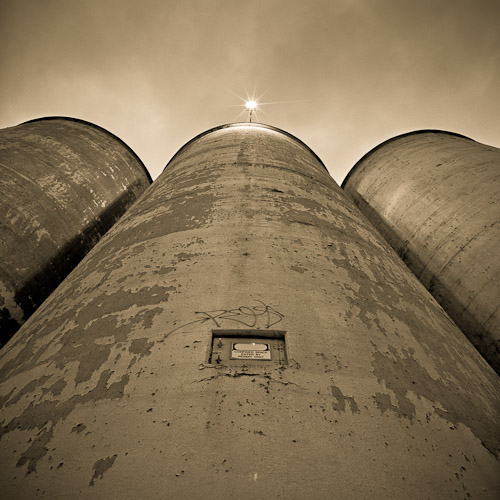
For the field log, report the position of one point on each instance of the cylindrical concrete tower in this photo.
(244, 332)
(63, 184)
(435, 197)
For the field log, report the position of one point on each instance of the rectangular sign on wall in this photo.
(251, 350)
(243, 347)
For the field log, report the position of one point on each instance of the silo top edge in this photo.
(98, 127)
(247, 124)
(397, 137)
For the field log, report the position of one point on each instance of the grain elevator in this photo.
(435, 197)
(63, 184)
(243, 331)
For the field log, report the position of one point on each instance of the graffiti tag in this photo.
(262, 315)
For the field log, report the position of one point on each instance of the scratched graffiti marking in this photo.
(262, 315)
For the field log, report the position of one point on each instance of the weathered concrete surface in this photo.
(435, 197)
(113, 397)
(63, 184)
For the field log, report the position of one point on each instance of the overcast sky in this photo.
(345, 74)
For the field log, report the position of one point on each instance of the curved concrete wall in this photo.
(115, 397)
(63, 184)
(435, 197)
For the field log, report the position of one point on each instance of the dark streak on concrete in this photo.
(395, 369)
(171, 217)
(4, 399)
(141, 347)
(36, 451)
(340, 400)
(28, 389)
(41, 414)
(79, 428)
(163, 270)
(93, 356)
(403, 375)
(56, 388)
(445, 227)
(405, 409)
(101, 466)
(83, 348)
(84, 164)
(182, 256)
(345, 249)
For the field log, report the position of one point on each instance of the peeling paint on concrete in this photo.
(36, 451)
(79, 428)
(27, 389)
(185, 256)
(43, 416)
(80, 192)
(342, 401)
(101, 466)
(141, 347)
(298, 269)
(56, 388)
(130, 330)
(434, 196)
(404, 376)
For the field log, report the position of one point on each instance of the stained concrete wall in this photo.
(63, 184)
(435, 197)
(383, 396)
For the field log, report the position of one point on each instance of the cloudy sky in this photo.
(344, 74)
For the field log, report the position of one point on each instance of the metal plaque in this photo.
(240, 348)
(252, 350)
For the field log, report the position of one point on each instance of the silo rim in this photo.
(406, 134)
(247, 124)
(98, 127)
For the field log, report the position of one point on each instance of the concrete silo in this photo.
(244, 332)
(435, 197)
(63, 184)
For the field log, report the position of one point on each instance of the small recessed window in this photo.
(243, 347)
